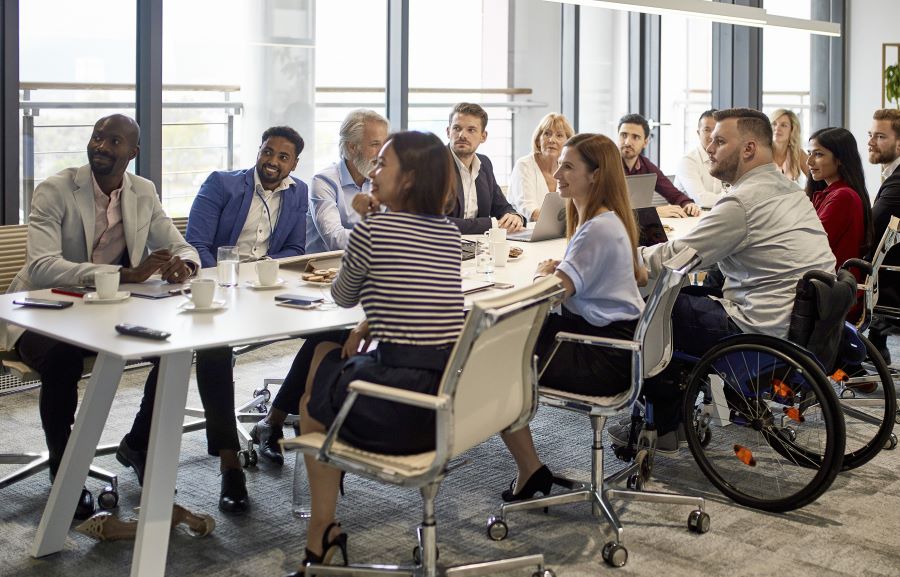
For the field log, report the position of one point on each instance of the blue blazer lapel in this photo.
(244, 210)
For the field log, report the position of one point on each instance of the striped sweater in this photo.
(405, 271)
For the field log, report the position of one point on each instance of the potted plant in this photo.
(892, 84)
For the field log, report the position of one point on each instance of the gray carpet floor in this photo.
(853, 530)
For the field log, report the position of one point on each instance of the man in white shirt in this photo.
(340, 193)
(479, 203)
(692, 176)
(764, 235)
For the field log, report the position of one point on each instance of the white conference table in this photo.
(249, 317)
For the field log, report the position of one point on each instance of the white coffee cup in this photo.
(496, 234)
(267, 272)
(500, 250)
(107, 284)
(202, 292)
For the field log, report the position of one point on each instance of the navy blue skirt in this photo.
(375, 424)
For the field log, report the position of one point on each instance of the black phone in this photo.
(297, 301)
(42, 303)
(142, 332)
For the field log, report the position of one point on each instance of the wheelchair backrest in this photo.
(821, 304)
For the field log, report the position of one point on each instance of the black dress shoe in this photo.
(132, 458)
(234, 498)
(540, 481)
(85, 506)
(267, 437)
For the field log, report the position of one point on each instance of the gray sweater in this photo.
(765, 235)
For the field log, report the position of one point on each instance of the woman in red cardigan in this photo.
(837, 188)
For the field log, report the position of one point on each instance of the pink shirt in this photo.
(109, 235)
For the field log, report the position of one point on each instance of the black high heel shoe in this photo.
(540, 481)
(329, 548)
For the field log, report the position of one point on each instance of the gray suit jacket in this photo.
(61, 232)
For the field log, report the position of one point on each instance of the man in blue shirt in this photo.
(262, 211)
(340, 193)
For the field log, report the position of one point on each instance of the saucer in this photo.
(254, 284)
(190, 307)
(95, 299)
(314, 283)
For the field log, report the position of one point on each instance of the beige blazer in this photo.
(61, 233)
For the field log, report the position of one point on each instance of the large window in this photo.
(351, 67)
(786, 64)
(685, 85)
(603, 70)
(458, 51)
(70, 75)
(225, 82)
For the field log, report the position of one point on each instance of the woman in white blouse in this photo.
(532, 176)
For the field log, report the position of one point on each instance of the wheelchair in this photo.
(770, 428)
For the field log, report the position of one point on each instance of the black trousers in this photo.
(294, 385)
(60, 365)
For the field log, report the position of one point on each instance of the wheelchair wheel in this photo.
(763, 423)
(868, 400)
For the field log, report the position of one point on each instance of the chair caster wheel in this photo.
(417, 555)
(698, 521)
(262, 408)
(897, 417)
(891, 443)
(544, 573)
(635, 482)
(615, 555)
(254, 457)
(244, 458)
(848, 394)
(497, 530)
(108, 498)
(264, 393)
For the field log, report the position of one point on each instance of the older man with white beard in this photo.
(340, 193)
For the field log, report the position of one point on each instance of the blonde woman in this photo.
(598, 273)
(532, 176)
(787, 151)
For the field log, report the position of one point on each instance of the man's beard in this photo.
(364, 166)
(725, 170)
(881, 157)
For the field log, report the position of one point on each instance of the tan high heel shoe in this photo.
(198, 525)
(107, 527)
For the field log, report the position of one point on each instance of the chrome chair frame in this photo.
(651, 351)
(510, 401)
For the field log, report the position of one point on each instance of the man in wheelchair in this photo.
(764, 235)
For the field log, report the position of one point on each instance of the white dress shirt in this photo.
(527, 186)
(889, 169)
(253, 242)
(467, 178)
(693, 178)
(331, 216)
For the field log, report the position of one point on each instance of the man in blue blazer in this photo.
(261, 210)
(479, 203)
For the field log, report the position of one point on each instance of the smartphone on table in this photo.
(42, 303)
(297, 301)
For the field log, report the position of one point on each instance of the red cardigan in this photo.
(841, 212)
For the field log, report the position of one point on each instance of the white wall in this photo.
(536, 59)
(869, 24)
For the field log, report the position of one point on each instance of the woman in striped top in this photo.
(403, 267)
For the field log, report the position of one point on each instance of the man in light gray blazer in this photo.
(86, 220)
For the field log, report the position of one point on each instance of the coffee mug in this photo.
(202, 292)
(267, 272)
(500, 250)
(107, 284)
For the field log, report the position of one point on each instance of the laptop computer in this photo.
(551, 224)
(650, 227)
(640, 189)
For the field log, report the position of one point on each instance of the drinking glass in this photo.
(227, 262)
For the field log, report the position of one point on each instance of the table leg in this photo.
(154, 525)
(73, 469)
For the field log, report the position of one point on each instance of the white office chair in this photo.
(651, 351)
(489, 386)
